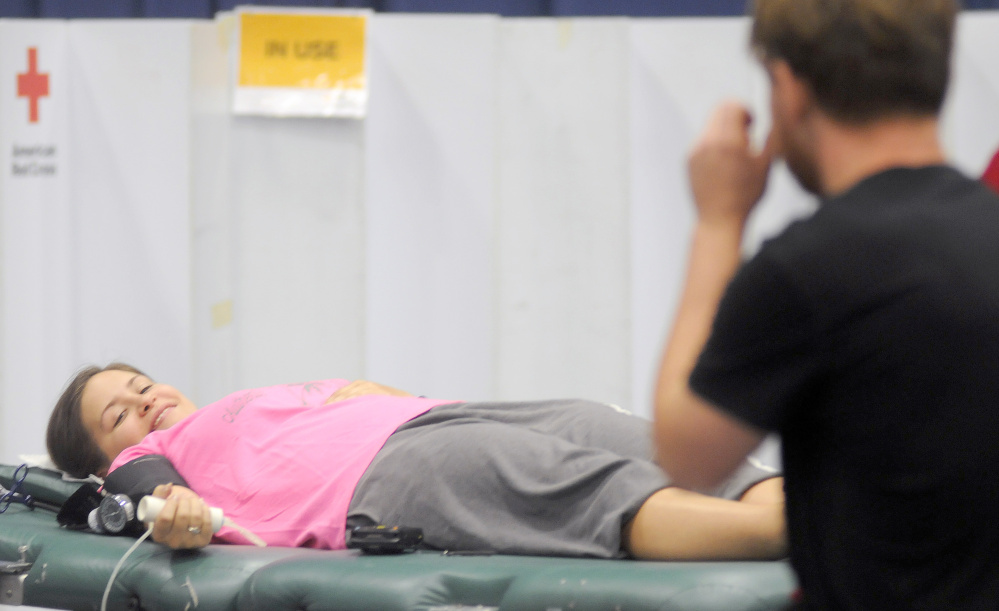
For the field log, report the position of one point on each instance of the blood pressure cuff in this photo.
(138, 478)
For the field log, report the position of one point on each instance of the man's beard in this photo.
(800, 160)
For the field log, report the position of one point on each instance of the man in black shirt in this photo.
(866, 335)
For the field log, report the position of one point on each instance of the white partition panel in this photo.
(672, 93)
(212, 256)
(971, 120)
(563, 210)
(36, 230)
(429, 165)
(279, 269)
(297, 249)
(130, 145)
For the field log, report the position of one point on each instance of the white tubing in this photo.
(114, 573)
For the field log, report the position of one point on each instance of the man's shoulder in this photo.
(855, 222)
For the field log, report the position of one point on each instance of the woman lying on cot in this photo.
(295, 464)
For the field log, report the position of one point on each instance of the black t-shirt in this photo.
(868, 336)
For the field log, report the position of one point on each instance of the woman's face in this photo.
(120, 408)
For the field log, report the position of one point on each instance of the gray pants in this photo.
(539, 478)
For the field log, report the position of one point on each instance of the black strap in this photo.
(139, 477)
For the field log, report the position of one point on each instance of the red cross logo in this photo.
(32, 85)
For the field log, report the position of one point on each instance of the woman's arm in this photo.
(155, 474)
(360, 388)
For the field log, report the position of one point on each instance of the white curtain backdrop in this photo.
(509, 221)
(37, 332)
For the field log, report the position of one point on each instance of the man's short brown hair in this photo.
(863, 59)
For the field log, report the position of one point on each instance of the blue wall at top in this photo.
(509, 8)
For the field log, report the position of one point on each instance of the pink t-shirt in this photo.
(277, 461)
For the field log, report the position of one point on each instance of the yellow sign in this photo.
(308, 51)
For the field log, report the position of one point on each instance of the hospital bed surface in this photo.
(70, 570)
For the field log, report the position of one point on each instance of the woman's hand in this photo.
(360, 388)
(185, 521)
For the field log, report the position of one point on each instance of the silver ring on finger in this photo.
(194, 530)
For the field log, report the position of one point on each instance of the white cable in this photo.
(253, 538)
(149, 507)
(114, 573)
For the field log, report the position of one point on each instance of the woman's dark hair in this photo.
(71, 446)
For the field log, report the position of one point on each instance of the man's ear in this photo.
(792, 95)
